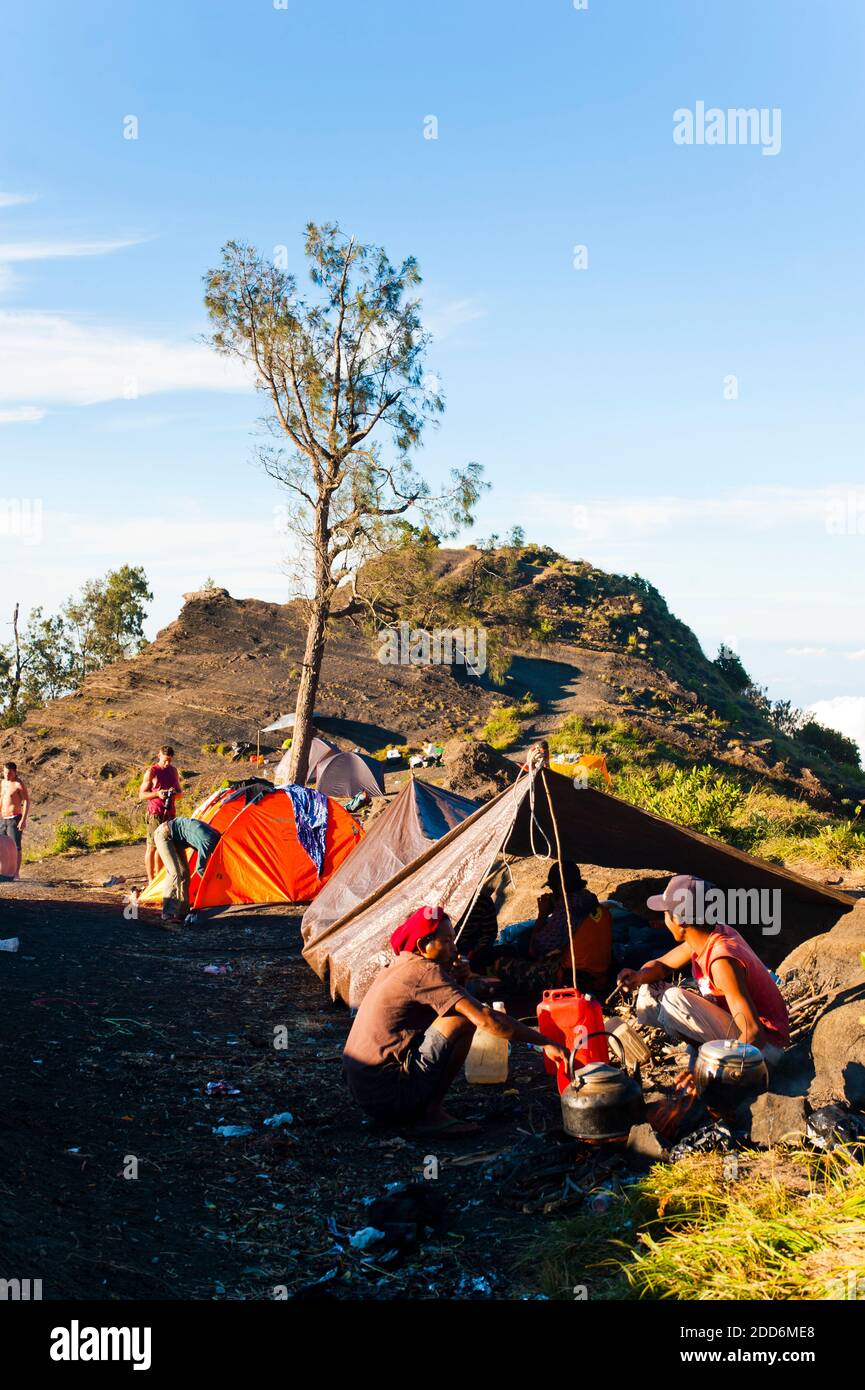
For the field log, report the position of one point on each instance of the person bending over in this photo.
(172, 839)
(414, 1028)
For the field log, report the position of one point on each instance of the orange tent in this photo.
(260, 858)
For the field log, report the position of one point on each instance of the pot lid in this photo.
(600, 1074)
(727, 1050)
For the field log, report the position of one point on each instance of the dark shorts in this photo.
(9, 828)
(153, 824)
(418, 1082)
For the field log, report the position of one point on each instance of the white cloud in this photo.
(22, 415)
(55, 360)
(806, 651)
(856, 656)
(846, 713)
(53, 250)
(447, 318)
(13, 200)
(624, 518)
(246, 553)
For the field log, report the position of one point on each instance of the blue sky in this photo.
(594, 398)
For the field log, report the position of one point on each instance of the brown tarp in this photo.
(419, 816)
(594, 828)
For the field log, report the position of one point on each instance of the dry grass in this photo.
(770, 1227)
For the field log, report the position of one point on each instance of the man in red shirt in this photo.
(738, 997)
(160, 788)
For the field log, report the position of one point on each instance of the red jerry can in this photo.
(575, 1019)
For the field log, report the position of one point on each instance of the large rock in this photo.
(838, 1050)
(827, 962)
(774, 1119)
(475, 769)
(644, 1147)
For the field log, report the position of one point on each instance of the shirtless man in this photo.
(14, 807)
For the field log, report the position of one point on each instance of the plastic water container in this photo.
(487, 1060)
(562, 1014)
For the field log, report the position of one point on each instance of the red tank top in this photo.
(768, 1001)
(163, 777)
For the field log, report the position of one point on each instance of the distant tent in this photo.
(319, 748)
(335, 773)
(415, 819)
(346, 774)
(261, 857)
(594, 827)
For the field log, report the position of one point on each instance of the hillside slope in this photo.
(606, 647)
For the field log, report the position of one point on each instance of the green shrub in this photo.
(697, 797)
(731, 668)
(132, 783)
(502, 729)
(68, 836)
(831, 742)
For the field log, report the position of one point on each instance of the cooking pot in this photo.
(728, 1072)
(601, 1103)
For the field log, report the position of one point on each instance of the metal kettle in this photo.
(601, 1103)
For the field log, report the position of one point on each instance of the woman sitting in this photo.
(540, 957)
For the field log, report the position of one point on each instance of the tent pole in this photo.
(561, 873)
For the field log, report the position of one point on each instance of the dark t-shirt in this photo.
(404, 999)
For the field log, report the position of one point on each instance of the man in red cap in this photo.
(414, 1028)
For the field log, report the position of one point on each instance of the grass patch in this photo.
(109, 828)
(781, 1228)
(645, 772)
(502, 729)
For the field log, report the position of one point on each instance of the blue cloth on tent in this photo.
(310, 814)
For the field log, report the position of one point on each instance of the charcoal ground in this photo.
(109, 1032)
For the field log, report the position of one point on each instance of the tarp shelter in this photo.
(260, 857)
(414, 820)
(285, 721)
(594, 827)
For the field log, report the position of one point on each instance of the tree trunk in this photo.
(15, 683)
(309, 678)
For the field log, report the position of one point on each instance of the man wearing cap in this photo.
(738, 997)
(414, 1028)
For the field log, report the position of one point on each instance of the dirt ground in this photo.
(110, 1030)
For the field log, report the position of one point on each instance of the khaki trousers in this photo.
(175, 894)
(683, 1014)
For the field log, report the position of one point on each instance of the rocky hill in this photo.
(601, 646)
